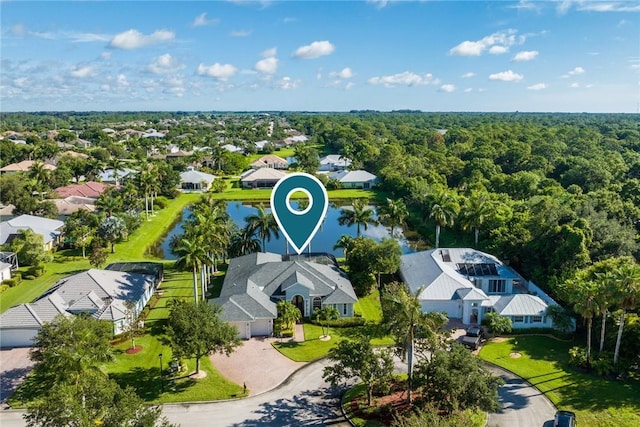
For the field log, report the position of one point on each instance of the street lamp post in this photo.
(161, 377)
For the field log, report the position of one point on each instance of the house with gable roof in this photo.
(254, 284)
(467, 284)
(355, 179)
(49, 229)
(102, 294)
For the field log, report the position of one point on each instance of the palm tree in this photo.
(627, 296)
(345, 242)
(191, 255)
(606, 286)
(404, 319)
(475, 211)
(263, 224)
(443, 212)
(116, 165)
(243, 242)
(288, 313)
(324, 315)
(584, 297)
(393, 214)
(41, 175)
(110, 201)
(360, 214)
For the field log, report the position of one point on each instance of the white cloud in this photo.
(635, 66)
(608, 7)
(81, 72)
(240, 33)
(496, 43)
(287, 83)
(574, 85)
(165, 64)
(345, 73)
(447, 88)
(526, 5)
(468, 75)
(219, 71)
(538, 86)
(105, 55)
(201, 21)
(575, 72)
(21, 82)
(525, 55)
(122, 81)
(269, 52)
(314, 50)
(406, 78)
(506, 76)
(349, 85)
(563, 6)
(468, 90)
(267, 65)
(498, 50)
(134, 39)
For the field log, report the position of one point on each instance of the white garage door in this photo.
(244, 330)
(17, 337)
(453, 309)
(261, 327)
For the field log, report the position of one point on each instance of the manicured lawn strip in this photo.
(138, 245)
(248, 194)
(596, 401)
(369, 307)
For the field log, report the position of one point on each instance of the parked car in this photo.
(473, 337)
(564, 419)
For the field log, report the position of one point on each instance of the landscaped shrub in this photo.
(343, 322)
(14, 281)
(29, 277)
(602, 364)
(497, 324)
(160, 202)
(578, 357)
(36, 270)
(4, 288)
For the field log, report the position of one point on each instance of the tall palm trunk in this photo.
(437, 235)
(410, 368)
(195, 284)
(602, 329)
(477, 233)
(589, 323)
(619, 339)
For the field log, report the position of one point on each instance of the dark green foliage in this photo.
(195, 330)
(498, 325)
(455, 380)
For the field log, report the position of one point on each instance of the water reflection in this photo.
(324, 240)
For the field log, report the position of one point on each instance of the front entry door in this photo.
(298, 301)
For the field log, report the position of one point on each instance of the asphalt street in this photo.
(305, 399)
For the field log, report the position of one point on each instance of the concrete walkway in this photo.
(257, 364)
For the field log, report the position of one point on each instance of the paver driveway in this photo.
(14, 367)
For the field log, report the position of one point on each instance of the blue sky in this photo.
(569, 56)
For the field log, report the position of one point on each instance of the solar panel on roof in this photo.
(480, 269)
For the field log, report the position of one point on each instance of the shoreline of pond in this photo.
(409, 244)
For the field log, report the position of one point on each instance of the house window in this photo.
(317, 303)
(536, 319)
(497, 286)
(518, 319)
(344, 309)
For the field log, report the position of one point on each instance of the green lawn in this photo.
(249, 194)
(544, 363)
(313, 348)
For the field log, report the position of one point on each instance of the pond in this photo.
(323, 241)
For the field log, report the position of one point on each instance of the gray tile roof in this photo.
(353, 176)
(33, 315)
(48, 228)
(196, 177)
(252, 280)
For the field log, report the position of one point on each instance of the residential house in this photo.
(49, 229)
(254, 283)
(466, 284)
(192, 179)
(5, 271)
(108, 176)
(334, 162)
(24, 166)
(233, 148)
(103, 294)
(89, 189)
(355, 179)
(72, 204)
(261, 178)
(270, 161)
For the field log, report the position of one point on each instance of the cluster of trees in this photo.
(72, 390)
(547, 193)
(448, 379)
(608, 288)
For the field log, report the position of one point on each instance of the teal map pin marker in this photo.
(299, 226)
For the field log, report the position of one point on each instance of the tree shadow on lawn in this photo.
(11, 380)
(306, 408)
(147, 384)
